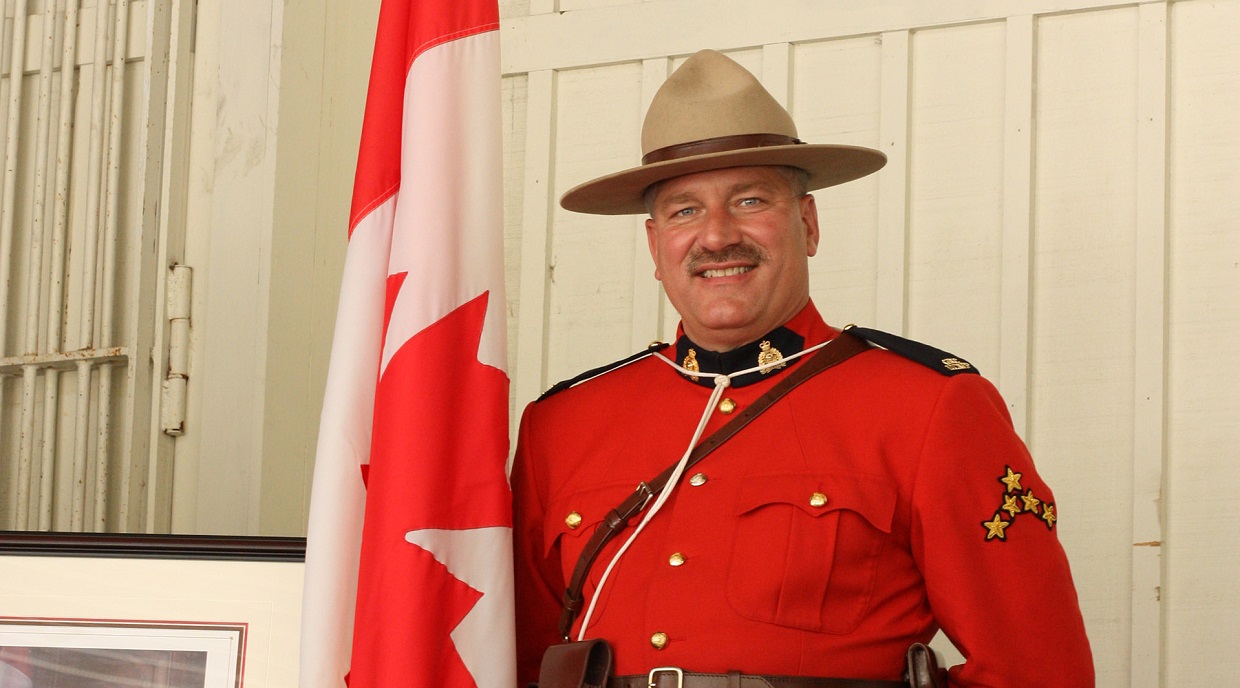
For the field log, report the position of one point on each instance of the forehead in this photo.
(725, 180)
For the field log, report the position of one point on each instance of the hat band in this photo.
(717, 145)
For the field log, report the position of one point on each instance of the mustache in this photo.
(738, 252)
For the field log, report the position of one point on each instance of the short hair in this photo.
(797, 178)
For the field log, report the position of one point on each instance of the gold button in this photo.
(677, 559)
(659, 640)
(727, 406)
(573, 519)
(818, 499)
(698, 479)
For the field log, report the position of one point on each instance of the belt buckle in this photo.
(680, 676)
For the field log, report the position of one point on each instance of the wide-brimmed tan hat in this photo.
(711, 114)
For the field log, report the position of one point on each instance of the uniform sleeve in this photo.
(538, 577)
(985, 535)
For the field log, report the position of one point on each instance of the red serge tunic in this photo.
(866, 509)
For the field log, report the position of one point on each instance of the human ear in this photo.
(809, 219)
(654, 247)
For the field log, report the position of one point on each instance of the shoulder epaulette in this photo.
(595, 372)
(935, 359)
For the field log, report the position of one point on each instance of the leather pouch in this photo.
(923, 668)
(581, 664)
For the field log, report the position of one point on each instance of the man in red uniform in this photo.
(880, 501)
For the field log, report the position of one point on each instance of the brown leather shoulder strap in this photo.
(840, 349)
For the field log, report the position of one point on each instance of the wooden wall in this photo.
(1060, 207)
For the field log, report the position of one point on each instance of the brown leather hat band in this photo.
(717, 145)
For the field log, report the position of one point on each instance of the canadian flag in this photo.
(409, 561)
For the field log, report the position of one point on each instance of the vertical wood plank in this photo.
(1201, 616)
(892, 293)
(836, 97)
(535, 237)
(1082, 325)
(777, 71)
(955, 193)
(1013, 377)
(1149, 426)
(591, 261)
(647, 294)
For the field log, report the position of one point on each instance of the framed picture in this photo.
(98, 653)
(81, 611)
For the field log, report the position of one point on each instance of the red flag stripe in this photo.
(406, 30)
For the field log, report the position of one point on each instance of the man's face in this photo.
(731, 248)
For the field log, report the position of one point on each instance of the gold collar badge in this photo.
(769, 354)
(690, 363)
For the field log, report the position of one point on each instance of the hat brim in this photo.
(621, 193)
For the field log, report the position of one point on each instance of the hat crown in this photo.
(711, 96)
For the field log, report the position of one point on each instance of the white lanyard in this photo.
(722, 382)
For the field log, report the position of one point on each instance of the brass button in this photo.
(573, 519)
(698, 479)
(818, 499)
(659, 640)
(727, 406)
(677, 559)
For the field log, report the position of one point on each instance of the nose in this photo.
(719, 231)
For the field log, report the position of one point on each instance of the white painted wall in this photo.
(278, 96)
(1060, 207)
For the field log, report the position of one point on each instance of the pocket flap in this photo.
(816, 495)
(578, 514)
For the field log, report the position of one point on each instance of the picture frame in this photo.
(161, 612)
(94, 653)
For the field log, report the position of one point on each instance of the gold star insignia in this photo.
(1031, 502)
(1010, 505)
(995, 527)
(1048, 515)
(1012, 480)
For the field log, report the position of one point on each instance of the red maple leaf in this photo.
(438, 454)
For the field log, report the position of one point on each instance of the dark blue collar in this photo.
(780, 342)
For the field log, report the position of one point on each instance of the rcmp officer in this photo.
(883, 499)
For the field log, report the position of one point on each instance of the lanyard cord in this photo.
(722, 382)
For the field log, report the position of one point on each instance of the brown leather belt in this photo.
(674, 678)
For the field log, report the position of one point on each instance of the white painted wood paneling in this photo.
(1012, 377)
(528, 372)
(1023, 222)
(835, 96)
(590, 296)
(1149, 354)
(1202, 550)
(514, 108)
(1060, 207)
(1083, 328)
(955, 194)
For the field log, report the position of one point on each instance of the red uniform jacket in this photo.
(873, 505)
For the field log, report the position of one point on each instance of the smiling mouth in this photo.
(726, 272)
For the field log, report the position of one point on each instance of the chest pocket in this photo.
(586, 509)
(806, 549)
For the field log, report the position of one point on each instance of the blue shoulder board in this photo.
(595, 372)
(935, 359)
